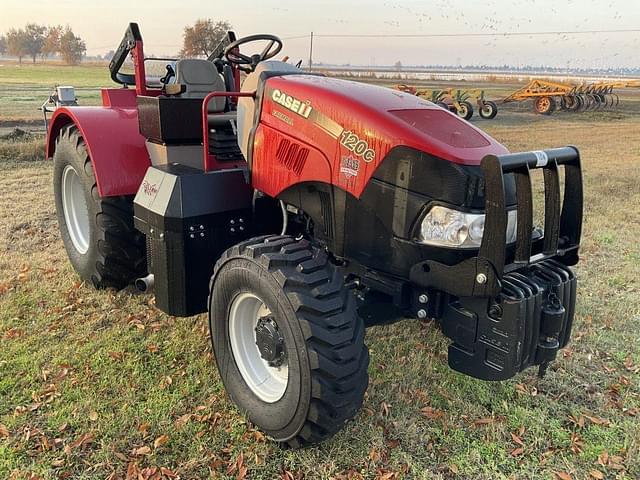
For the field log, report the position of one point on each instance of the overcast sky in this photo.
(102, 23)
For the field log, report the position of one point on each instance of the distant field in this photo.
(23, 88)
(102, 385)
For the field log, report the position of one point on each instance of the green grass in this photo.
(90, 380)
(23, 88)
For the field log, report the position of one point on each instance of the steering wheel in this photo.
(233, 55)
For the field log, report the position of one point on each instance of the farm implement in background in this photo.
(457, 101)
(548, 96)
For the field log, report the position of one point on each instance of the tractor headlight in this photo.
(446, 227)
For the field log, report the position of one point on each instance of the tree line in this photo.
(39, 41)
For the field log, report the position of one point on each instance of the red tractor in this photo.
(296, 209)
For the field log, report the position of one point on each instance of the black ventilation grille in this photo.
(292, 155)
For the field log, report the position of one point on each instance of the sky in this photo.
(102, 24)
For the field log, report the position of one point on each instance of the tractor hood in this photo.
(317, 129)
(380, 117)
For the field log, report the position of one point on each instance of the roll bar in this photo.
(131, 39)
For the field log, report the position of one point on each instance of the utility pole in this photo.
(311, 52)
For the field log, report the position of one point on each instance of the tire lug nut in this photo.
(422, 313)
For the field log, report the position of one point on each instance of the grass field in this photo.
(102, 385)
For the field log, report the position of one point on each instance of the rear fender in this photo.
(116, 148)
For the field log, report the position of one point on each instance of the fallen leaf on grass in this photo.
(238, 467)
(160, 441)
(454, 468)
(517, 439)
(93, 416)
(484, 421)
(140, 451)
(386, 475)
(431, 413)
(603, 458)
(597, 474)
(144, 427)
(517, 452)
(79, 442)
(168, 473)
(597, 420)
(183, 420)
(563, 476)
(4, 431)
(374, 455)
(576, 443)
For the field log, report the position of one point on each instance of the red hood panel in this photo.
(349, 128)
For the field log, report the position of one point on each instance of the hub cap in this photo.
(258, 347)
(76, 211)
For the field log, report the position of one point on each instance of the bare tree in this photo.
(203, 37)
(3, 45)
(72, 47)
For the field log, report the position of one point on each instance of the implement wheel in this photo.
(489, 110)
(98, 234)
(545, 105)
(465, 110)
(287, 338)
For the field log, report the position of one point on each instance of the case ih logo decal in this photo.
(360, 147)
(349, 166)
(150, 189)
(291, 103)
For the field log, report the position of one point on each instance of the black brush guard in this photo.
(510, 308)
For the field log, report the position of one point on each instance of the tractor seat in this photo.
(200, 78)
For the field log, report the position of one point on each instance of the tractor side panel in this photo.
(281, 160)
(116, 148)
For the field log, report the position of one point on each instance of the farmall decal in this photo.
(300, 107)
(150, 189)
(349, 166)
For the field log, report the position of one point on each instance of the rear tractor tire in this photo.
(287, 339)
(98, 233)
(465, 110)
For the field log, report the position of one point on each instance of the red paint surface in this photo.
(365, 110)
(117, 150)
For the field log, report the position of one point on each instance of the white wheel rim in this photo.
(76, 211)
(267, 382)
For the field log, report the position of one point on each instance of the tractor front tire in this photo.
(98, 233)
(287, 338)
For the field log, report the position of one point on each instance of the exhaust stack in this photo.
(144, 284)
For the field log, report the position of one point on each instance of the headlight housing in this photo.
(446, 227)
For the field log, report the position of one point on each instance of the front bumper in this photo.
(507, 309)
